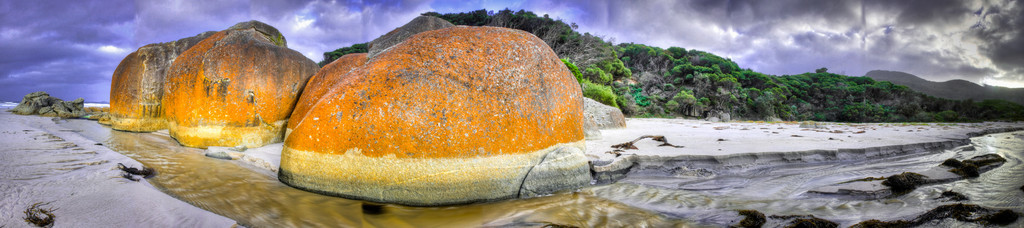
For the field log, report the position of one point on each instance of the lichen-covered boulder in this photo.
(322, 82)
(137, 85)
(450, 116)
(400, 34)
(236, 87)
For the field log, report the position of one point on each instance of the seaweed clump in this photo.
(969, 167)
(954, 196)
(752, 219)
(806, 221)
(960, 212)
(904, 182)
(41, 217)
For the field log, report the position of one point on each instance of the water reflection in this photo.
(255, 198)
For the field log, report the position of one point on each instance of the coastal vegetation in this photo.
(648, 81)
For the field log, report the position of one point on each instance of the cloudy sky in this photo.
(71, 48)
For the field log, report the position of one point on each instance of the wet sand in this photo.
(44, 163)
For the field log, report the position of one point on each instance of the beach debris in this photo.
(860, 132)
(144, 172)
(722, 128)
(904, 182)
(38, 216)
(796, 136)
(953, 196)
(722, 140)
(629, 145)
(752, 219)
(1022, 188)
(836, 131)
(960, 212)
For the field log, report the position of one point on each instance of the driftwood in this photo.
(629, 145)
(622, 147)
(129, 171)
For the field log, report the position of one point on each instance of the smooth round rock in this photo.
(235, 88)
(449, 116)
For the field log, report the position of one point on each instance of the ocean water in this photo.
(9, 105)
(255, 198)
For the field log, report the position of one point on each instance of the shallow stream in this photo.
(254, 197)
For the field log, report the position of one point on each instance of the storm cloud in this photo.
(71, 49)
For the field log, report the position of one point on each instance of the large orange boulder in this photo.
(449, 116)
(322, 82)
(137, 85)
(236, 87)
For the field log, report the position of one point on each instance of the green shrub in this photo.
(596, 74)
(575, 70)
(600, 93)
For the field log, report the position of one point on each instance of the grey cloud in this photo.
(1000, 38)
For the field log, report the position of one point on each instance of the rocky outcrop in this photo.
(416, 26)
(449, 116)
(599, 116)
(322, 82)
(41, 103)
(236, 87)
(137, 85)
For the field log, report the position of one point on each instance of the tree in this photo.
(821, 70)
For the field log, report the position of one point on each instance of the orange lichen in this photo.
(233, 88)
(135, 93)
(451, 93)
(137, 85)
(323, 81)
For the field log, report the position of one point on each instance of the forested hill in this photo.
(952, 89)
(647, 81)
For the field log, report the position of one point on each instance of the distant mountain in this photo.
(952, 89)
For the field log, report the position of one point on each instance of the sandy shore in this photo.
(44, 163)
(717, 139)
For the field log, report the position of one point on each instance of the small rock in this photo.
(218, 155)
(238, 148)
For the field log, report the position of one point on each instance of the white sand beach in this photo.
(44, 163)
